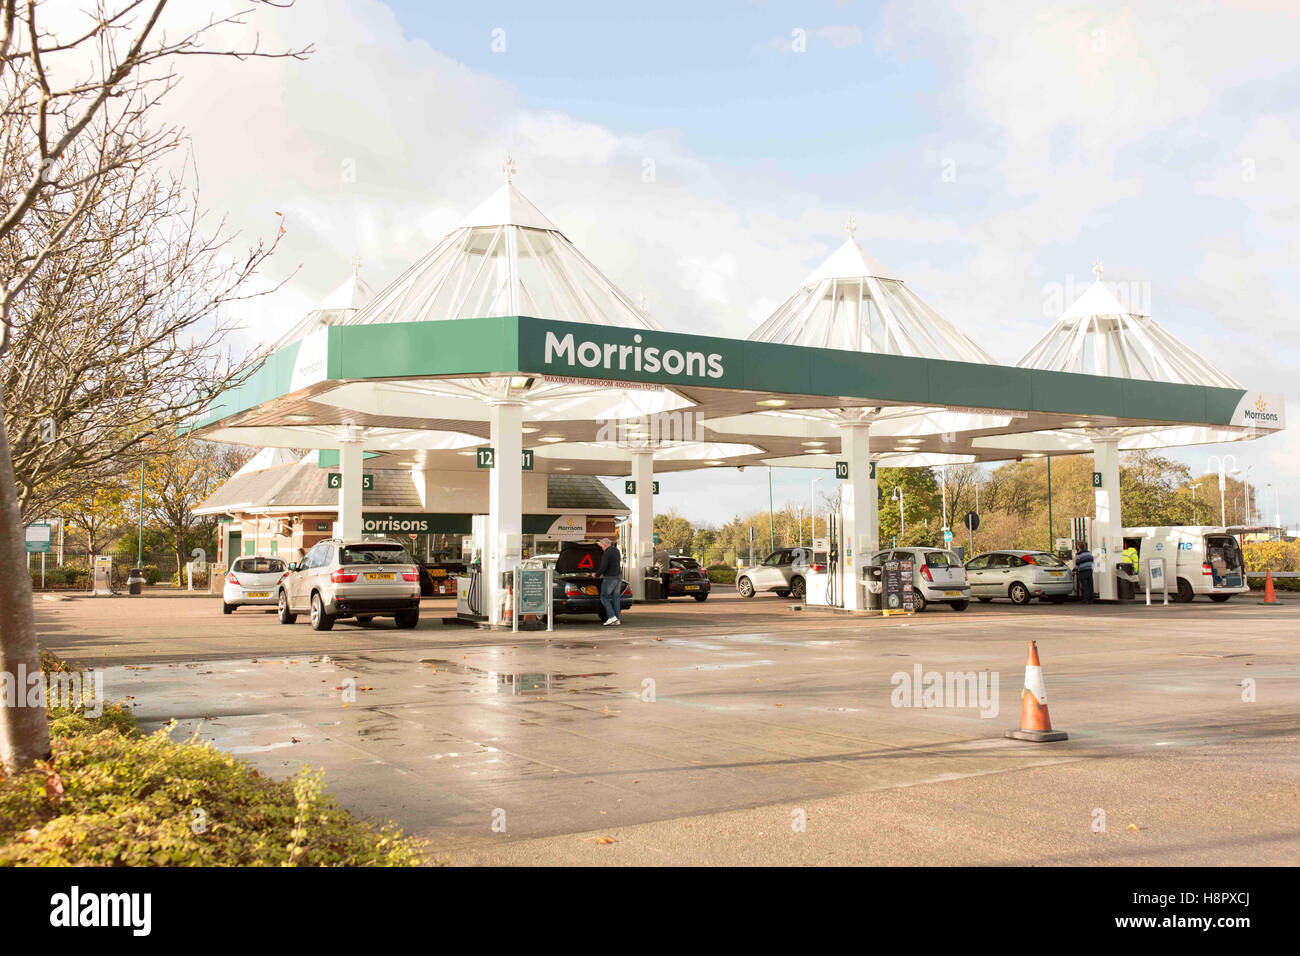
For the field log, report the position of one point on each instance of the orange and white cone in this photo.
(1035, 724)
(1270, 595)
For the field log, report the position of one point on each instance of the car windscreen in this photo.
(1044, 560)
(259, 566)
(375, 554)
(578, 561)
(689, 564)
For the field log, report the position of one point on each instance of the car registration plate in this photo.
(1057, 574)
(691, 587)
(591, 589)
(257, 594)
(379, 577)
(952, 594)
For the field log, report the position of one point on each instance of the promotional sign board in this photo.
(896, 586)
(37, 538)
(532, 591)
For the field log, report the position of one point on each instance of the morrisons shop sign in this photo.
(626, 354)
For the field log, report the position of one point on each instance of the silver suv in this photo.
(357, 578)
(782, 571)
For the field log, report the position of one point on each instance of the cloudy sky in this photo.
(707, 156)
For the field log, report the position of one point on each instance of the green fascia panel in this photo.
(1220, 403)
(329, 457)
(407, 349)
(1075, 394)
(978, 385)
(766, 367)
(518, 344)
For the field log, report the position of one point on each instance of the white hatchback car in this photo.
(252, 581)
(937, 576)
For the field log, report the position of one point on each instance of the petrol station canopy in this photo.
(506, 308)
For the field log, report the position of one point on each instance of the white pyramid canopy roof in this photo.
(267, 458)
(1100, 336)
(337, 308)
(505, 258)
(853, 302)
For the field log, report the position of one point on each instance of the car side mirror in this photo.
(293, 566)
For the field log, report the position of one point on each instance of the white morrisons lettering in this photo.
(631, 358)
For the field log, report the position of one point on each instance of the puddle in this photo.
(517, 683)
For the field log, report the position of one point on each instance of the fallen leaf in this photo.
(1134, 826)
(53, 786)
(603, 840)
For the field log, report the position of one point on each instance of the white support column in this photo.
(351, 459)
(857, 501)
(505, 501)
(1108, 544)
(643, 522)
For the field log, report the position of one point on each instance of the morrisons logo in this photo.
(1260, 412)
(611, 356)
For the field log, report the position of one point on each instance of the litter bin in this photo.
(654, 588)
(871, 587)
(1125, 588)
(134, 581)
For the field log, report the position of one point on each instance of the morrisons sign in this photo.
(604, 352)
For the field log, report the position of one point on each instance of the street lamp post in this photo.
(897, 495)
(1221, 462)
(812, 504)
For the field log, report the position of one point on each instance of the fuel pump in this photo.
(469, 591)
(834, 532)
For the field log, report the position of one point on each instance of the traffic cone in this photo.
(1270, 596)
(1035, 724)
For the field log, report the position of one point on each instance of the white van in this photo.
(1198, 560)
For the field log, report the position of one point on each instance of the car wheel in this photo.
(959, 605)
(745, 587)
(700, 597)
(985, 600)
(918, 601)
(602, 615)
(1185, 592)
(320, 621)
(407, 619)
(1219, 598)
(227, 608)
(798, 588)
(1018, 593)
(286, 616)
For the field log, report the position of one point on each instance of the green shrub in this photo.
(111, 796)
(721, 573)
(152, 574)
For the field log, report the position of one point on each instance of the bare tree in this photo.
(77, 132)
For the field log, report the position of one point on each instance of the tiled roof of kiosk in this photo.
(304, 484)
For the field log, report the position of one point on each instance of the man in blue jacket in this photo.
(611, 581)
(1083, 570)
